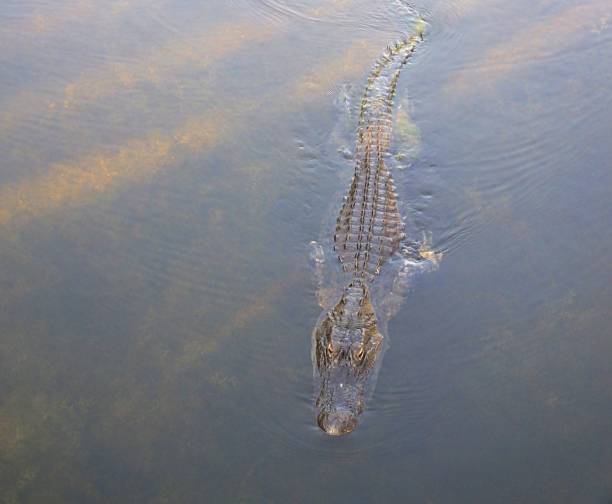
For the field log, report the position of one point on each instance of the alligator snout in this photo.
(337, 423)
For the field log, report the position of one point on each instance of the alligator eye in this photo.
(330, 348)
(360, 353)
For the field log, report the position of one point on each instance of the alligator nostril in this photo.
(337, 423)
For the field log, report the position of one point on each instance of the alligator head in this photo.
(346, 345)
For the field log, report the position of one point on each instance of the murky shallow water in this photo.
(165, 164)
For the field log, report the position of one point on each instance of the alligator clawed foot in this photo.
(325, 292)
(345, 152)
(317, 255)
(421, 252)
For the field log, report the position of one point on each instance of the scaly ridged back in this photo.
(369, 228)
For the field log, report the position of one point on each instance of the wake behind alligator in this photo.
(369, 232)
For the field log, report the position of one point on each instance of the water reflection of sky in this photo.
(164, 166)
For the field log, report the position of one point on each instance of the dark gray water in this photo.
(164, 166)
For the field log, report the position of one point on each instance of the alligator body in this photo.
(347, 340)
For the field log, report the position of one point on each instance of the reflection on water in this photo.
(165, 165)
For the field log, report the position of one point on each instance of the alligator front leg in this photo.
(326, 293)
(421, 253)
(415, 257)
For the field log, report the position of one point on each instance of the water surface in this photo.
(165, 164)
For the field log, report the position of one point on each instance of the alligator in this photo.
(369, 232)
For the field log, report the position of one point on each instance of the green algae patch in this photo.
(406, 135)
